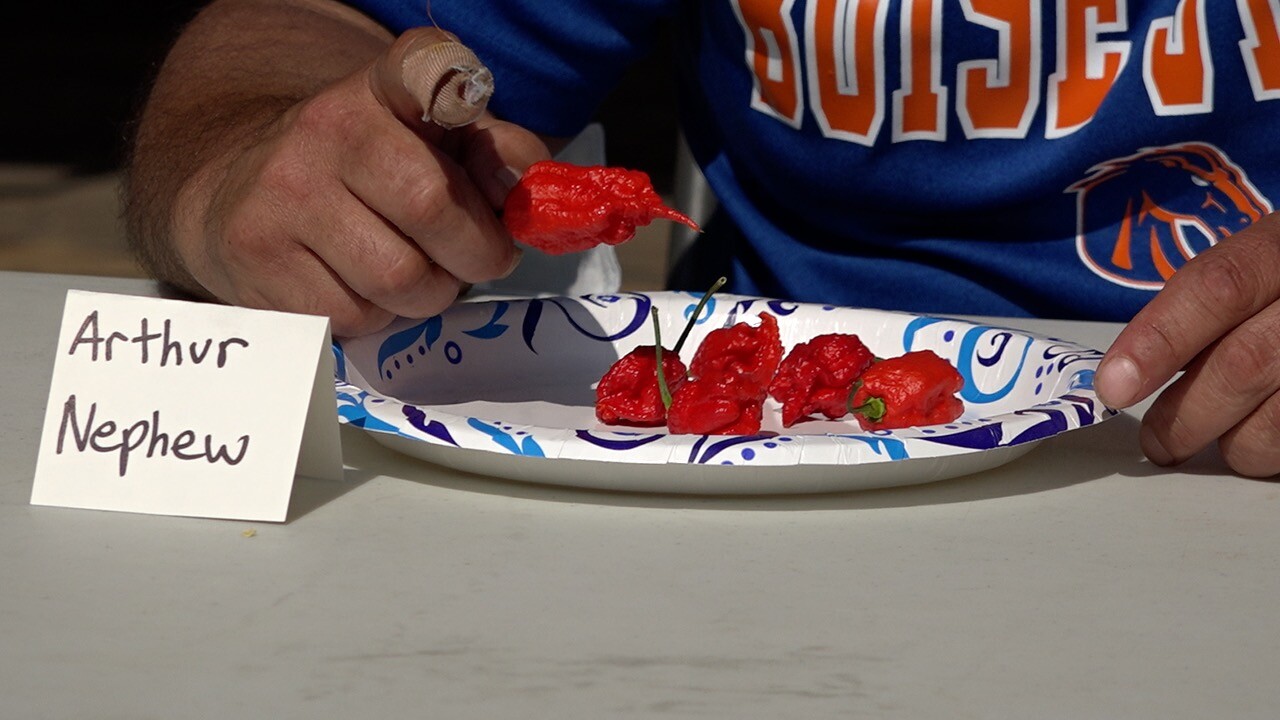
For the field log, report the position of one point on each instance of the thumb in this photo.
(428, 76)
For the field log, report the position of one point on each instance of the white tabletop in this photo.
(1076, 582)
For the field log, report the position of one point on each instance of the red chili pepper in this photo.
(730, 378)
(716, 406)
(631, 391)
(818, 376)
(628, 394)
(913, 389)
(752, 352)
(562, 208)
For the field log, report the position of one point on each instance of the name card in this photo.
(180, 408)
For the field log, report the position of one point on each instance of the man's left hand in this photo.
(1217, 318)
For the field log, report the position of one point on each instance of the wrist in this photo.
(201, 179)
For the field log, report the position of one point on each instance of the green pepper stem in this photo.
(873, 409)
(693, 319)
(663, 389)
(853, 390)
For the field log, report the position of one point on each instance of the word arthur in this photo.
(110, 437)
(149, 343)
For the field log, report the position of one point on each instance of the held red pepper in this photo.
(730, 378)
(562, 208)
(914, 389)
(817, 376)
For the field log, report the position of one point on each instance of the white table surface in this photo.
(1077, 582)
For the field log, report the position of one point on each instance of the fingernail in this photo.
(1153, 448)
(515, 262)
(1118, 382)
(508, 177)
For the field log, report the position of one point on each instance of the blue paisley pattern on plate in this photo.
(1019, 388)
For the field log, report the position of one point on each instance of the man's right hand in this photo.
(350, 205)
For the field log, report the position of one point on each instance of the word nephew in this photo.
(109, 436)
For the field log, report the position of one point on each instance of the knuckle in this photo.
(409, 284)
(247, 239)
(434, 295)
(402, 275)
(351, 319)
(443, 290)
(327, 114)
(255, 243)
(426, 207)
(1157, 339)
(288, 176)
(1226, 283)
(1245, 360)
(425, 201)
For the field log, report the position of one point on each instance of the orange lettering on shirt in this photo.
(1176, 64)
(919, 107)
(846, 66)
(1086, 68)
(773, 55)
(997, 98)
(1261, 46)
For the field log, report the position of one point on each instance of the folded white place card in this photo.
(181, 408)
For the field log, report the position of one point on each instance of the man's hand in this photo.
(1219, 319)
(343, 202)
(351, 206)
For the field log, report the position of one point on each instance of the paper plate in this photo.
(506, 388)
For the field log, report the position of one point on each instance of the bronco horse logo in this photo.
(1139, 218)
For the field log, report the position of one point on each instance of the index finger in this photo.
(1212, 294)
